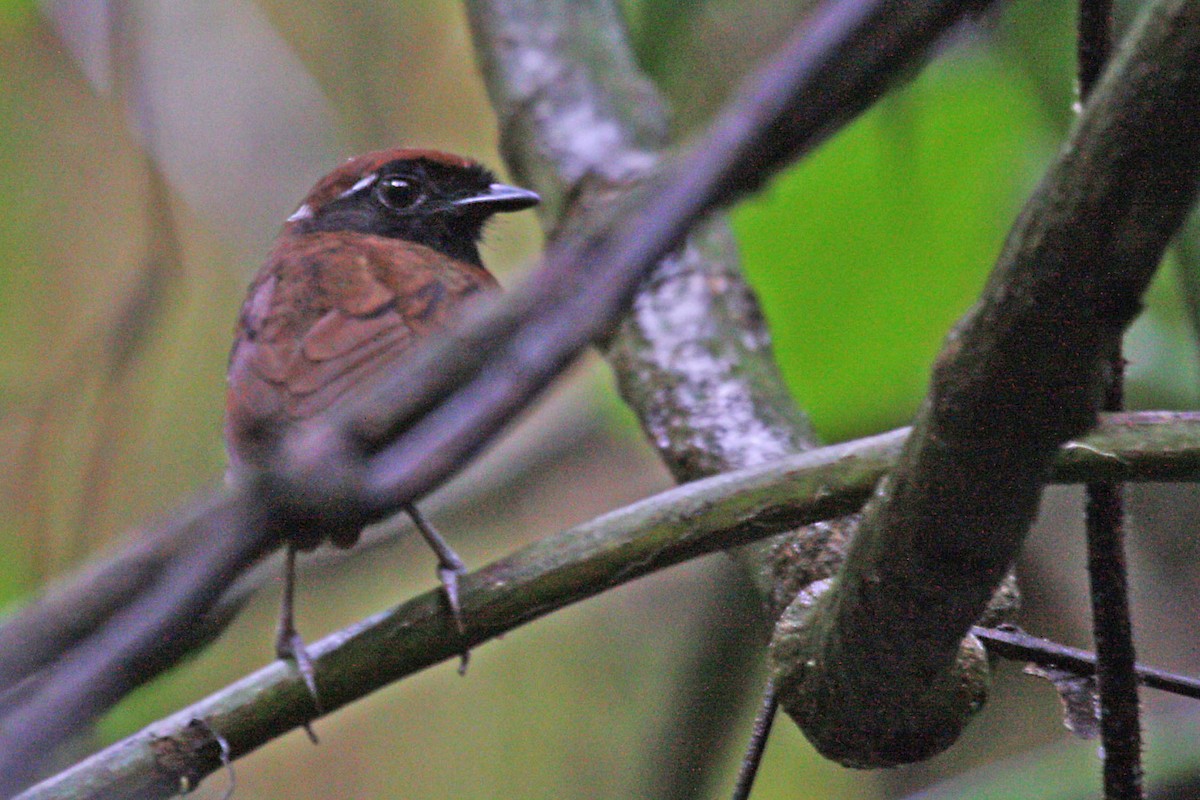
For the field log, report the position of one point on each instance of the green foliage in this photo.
(16, 12)
(867, 252)
(1067, 770)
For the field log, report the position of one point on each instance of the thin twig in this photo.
(757, 745)
(1116, 680)
(1017, 645)
(1112, 630)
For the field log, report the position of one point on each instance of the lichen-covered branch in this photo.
(581, 124)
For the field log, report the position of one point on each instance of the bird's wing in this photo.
(325, 314)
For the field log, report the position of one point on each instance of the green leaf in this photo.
(16, 12)
(867, 252)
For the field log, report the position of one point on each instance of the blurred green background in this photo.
(863, 255)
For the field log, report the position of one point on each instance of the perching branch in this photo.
(684, 522)
(872, 671)
(69, 611)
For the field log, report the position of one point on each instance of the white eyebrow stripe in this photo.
(363, 183)
(303, 212)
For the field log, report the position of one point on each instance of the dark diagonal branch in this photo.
(874, 671)
(226, 532)
(716, 513)
(836, 64)
(76, 607)
(692, 357)
(429, 417)
(41, 632)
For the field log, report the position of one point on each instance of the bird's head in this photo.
(432, 198)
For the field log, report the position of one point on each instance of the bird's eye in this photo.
(398, 194)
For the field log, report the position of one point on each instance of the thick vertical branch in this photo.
(873, 670)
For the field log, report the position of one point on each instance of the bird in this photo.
(381, 254)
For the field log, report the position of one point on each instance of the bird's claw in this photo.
(449, 574)
(290, 647)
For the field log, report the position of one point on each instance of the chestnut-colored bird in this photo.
(382, 253)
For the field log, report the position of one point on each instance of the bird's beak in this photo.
(499, 197)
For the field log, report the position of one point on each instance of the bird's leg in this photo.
(450, 569)
(288, 644)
